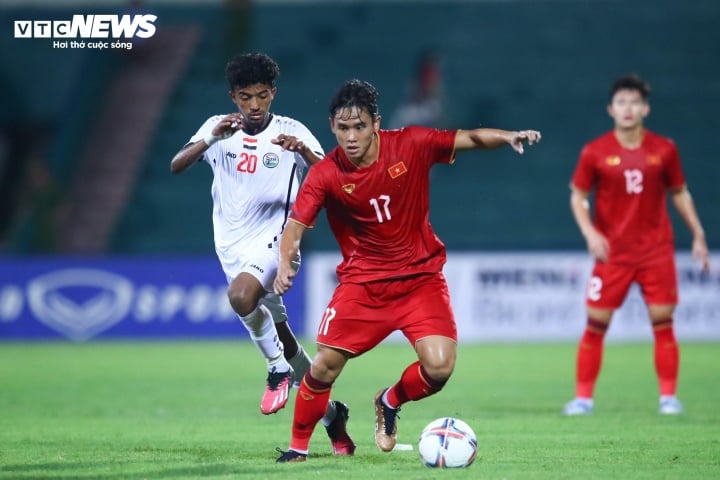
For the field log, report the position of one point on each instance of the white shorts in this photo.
(261, 263)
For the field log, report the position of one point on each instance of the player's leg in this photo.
(335, 423)
(294, 353)
(606, 291)
(337, 413)
(589, 361)
(425, 377)
(659, 288)
(312, 400)
(426, 319)
(348, 328)
(667, 357)
(244, 294)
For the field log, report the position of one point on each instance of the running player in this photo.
(375, 187)
(258, 159)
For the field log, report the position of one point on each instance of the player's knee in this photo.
(435, 379)
(603, 315)
(327, 365)
(242, 303)
(660, 312)
(439, 372)
(324, 372)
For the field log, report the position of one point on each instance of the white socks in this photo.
(261, 327)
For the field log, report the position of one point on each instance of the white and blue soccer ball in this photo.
(447, 443)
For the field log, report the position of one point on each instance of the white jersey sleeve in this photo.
(206, 128)
(300, 131)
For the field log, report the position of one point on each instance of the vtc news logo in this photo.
(88, 26)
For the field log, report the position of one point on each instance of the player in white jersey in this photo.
(255, 183)
(258, 159)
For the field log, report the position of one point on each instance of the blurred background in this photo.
(87, 134)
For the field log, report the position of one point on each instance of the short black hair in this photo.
(630, 82)
(250, 69)
(355, 93)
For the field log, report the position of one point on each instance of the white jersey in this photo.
(254, 187)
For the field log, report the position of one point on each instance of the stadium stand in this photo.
(543, 64)
(135, 99)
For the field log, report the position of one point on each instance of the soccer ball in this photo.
(447, 443)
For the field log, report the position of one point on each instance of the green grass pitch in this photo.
(191, 410)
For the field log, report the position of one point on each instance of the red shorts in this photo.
(359, 316)
(609, 283)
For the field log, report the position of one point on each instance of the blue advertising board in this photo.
(122, 297)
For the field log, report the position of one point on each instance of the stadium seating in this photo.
(544, 65)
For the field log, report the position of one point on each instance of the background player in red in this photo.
(631, 239)
(375, 187)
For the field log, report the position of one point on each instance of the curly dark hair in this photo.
(630, 82)
(355, 93)
(250, 69)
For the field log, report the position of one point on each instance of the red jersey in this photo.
(630, 194)
(380, 214)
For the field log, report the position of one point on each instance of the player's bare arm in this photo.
(294, 144)
(490, 138)
(289, 248)
(597, 244)
(191, 153)
(686, 208)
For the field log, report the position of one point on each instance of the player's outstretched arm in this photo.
(490, 138)
(192, 152)
(187, 156)
(289, 248)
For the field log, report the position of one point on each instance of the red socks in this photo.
(414, 384)
(667, 356)
(590, 351)
(310, 406)
(589, 358)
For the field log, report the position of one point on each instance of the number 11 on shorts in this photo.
(325, 323)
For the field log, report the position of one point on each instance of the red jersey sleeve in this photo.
(674, 177)
(311, 197)
(585, 171)
(435, 146)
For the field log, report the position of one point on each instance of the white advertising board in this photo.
(538, 297)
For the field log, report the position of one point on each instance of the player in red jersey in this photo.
(375, 187)
(631, 239)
